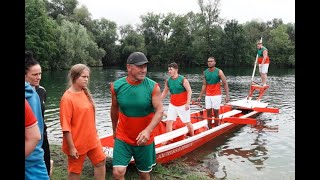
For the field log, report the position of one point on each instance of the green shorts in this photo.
(144, 156)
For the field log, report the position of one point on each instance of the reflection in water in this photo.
(254, 151)
(266, 151)
(258, 152)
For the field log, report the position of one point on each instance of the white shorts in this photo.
(213, 102)
(174, 111)
(263, 68)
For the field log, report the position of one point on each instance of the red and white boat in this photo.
(232, 115)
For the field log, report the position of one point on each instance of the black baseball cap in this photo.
(137, 58)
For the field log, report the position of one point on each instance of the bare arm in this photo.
(144, 135)
(32, 138)
(225, 84)
(165, 90)
(72, 149)
(265, 54)
(203, 88)
(114, 113)
(187, 86)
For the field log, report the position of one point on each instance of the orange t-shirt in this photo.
(260, 55)
(77, 116)
(267, 61)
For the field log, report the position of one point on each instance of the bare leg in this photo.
(73, 176)
(209, 116)
(118, 173)
(51, 167)
(144, 176)
(190, 128)
(264, 79)
(169, 125)
(216, 115)
(100, 171)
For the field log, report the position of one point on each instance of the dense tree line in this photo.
(60, 33)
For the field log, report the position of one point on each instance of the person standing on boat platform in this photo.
(136, 109)
(211, 86)
(264, 61)
(180, 98)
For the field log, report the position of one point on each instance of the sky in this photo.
(129, 11)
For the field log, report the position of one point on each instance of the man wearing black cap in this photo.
(136, 109)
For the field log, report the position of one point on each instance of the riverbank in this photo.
(174, 170)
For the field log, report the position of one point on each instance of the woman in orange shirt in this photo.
(77, 119)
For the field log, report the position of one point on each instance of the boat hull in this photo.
(183, 148)
(178, 141)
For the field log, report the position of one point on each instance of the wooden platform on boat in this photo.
(248, 104)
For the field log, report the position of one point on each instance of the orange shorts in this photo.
(95, 155)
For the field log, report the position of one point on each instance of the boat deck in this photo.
(248, 104)
(184, 130)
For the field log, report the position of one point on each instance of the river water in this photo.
(265, 151)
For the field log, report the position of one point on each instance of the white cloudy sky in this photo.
(128, 11)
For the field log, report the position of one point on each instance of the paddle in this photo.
(235, 120)
(254, 68)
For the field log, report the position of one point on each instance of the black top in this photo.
(43, 97)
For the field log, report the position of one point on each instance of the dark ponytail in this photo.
(29, 61)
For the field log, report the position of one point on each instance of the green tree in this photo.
(281, 49)
(179, 42)
(210, 18)
(197, 50)
(133, 42)
(60, 7)
(83, 17)
(154, 35)
(105, 34)
(234, 44)
(77, 46)
(40, 33)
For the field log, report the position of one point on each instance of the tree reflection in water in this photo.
(208, 154)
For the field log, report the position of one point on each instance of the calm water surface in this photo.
(266, 151)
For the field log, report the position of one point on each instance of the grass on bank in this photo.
(174, 170)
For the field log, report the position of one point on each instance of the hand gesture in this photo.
(143, 137)
(227, 99)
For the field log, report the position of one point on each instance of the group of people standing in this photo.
(136, 109)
